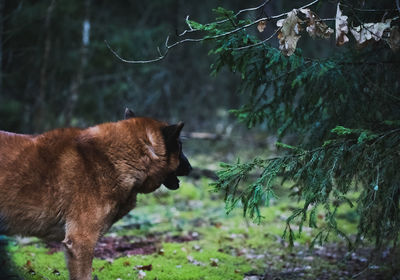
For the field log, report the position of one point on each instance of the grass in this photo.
(219, 246)
(173, 264)
(227, 247)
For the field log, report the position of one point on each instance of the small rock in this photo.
(141, 274)
(193, 261)
(253, 277)
(196, 247)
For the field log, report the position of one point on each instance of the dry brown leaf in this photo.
(341, 27)
(315, 26)
(214, 262)
(261, 25)
(394, 38)
(148, 267)
(370, 31)
(289, 33)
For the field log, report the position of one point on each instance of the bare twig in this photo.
(303, 7)
(161, 56)
(258, 43)
(361, 272)
(246, 10)
(187, 30)
(168, 47)
(250, 9)
(253, 9)
(325, 19)
(371, 10)
(225, 20)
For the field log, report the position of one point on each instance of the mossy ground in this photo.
(225, 247)
(221, 246)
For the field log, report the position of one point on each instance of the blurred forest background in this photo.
(339, 106)
(57, 71)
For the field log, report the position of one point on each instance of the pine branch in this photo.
(331, 179)
(167, 47)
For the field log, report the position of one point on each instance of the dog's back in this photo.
(11, 145)
(72, 184)
(29, 197)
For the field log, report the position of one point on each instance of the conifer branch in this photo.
(205, 38)
(256, 44)
(224, 20)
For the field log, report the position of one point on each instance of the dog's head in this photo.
(176, 161)
(173, 146)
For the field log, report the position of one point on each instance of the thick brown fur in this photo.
(71, 185)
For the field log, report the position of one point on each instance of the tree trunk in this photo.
(39, 110)
(77, 81)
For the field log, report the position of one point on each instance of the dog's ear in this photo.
(129, 114)
(172, 132)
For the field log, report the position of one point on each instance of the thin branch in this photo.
(317, 149)
(187, 30)
(225, 20)
(253, 9)
(161, 57)
(369, 10)
(168, 47)
(325, 19)
(284, 14)
(307, 152)
(258, 43)
(256, 21)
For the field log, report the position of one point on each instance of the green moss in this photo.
(192, 208)
(179, 261)
(35, 263)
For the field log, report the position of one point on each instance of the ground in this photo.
(186, 234)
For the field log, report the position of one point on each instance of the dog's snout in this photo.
(184, 167)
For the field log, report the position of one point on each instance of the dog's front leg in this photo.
(79, 243)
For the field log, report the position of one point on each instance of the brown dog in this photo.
(71, 185)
